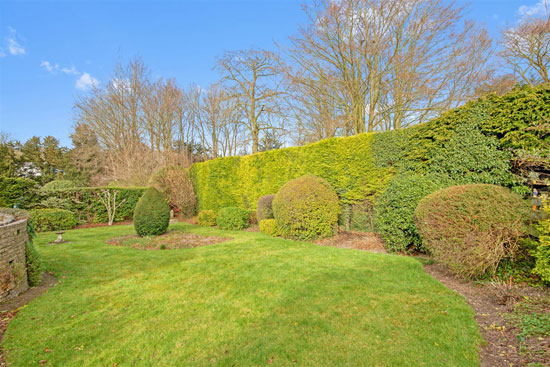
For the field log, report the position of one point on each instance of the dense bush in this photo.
(394, 211)
(85, 204)
(52, 219)
(470, 228)
(542, 252)
(269, 227)
(470, 157)
(264, 208)
(175, 184)
(58, 185)
(306, 208)
(35, 268)
(207, 218)
(152, 214)
(232, 218)
(18, 191)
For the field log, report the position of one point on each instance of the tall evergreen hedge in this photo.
(360, 167)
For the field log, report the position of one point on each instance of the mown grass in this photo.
(251, 301)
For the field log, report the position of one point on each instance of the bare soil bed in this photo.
(355, 240)
(500, 312)
(168, 241)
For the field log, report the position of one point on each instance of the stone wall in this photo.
(13, 269)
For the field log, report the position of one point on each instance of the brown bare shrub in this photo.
(175, 184)
(470, 228)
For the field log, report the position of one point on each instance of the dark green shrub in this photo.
(207, 218)
(35, 268)
(232, 218)
(264, 208)
(58, 185)
(470, 228)
(470, 157)
(152, 214)
(52, 219)
(542, 252)
(306, 208)
(18, 191)
(269, 227)
(394, 211)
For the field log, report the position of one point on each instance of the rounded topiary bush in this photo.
(394, 211)
(207, 218)
(52, 219)
(470, 228)
(264, 209)
(306, 208)
(269, 227)
(152, 214)
(233, 218)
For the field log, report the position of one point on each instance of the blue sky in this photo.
(50, 51)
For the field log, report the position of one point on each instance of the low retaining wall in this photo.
(13, 268)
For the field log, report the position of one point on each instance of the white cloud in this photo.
(540, 8)
(86, 81)
(14, 48)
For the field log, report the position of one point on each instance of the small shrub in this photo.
(542, 252)
(470, 228)
(152, 214)
(306, 208)
(52, 202)
(394, 211)
(35, 268)
(264, 209)
(232, 218)
(207, 218)
(58, 185)
(52, 219)
(175, 184)
(269, 227)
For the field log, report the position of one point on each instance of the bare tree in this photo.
(108, 199)
(526, 48)
(253, 78)
(387, 64)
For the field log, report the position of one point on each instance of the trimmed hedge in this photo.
(58, 185)
(152, 214)
(264, 207)
(232, 218)
(207, 218)
(52, 219)
(306, 208)
(470, 228)
(18, 191)
(269, 227)
(85, 204)
(394, 211)
(35, 267)
(346, 163)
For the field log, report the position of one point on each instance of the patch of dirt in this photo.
(9, 308)
(168, 241)
(355, 240)
(95, 225)
(494, 304)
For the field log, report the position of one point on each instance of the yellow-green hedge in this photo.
(346, 163)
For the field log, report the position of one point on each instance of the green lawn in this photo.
(252, 301)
